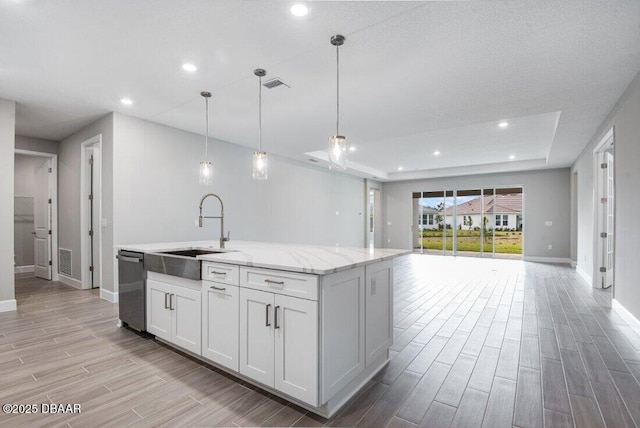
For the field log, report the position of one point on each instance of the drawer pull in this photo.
(267, 323)
(213, 287)
(215, 272)
(270, 281)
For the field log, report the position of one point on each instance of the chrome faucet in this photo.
(223, 239)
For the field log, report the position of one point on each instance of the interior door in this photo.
(608, 216)
(256, 335)
(42, 223)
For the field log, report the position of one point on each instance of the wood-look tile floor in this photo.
(487, 343)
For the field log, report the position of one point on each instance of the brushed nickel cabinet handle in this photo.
(267, 323)
(275, 317)
(171, 301)
(215, 272)
(270, 281)
(213, 287)
(166, 305)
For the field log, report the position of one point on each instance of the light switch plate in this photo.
(548, 223)
(103, 222)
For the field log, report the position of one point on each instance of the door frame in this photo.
(53, 191)
(598, 150)
(95, 142)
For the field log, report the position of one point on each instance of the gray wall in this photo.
(546, 197)
(24, 187)
(157, 192)
(7, 143)
(69, 231)
(36, 144)
(625, 119)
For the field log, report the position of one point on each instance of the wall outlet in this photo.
(549, 247)
(548, 223)
(103, 222)
(388, 223)
(337, 212)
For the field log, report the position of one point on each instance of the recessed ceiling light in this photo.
(352, 148)
(189, 67)
(126, 101)
(503, 124)
(400, 168)
(512, 157)
(436, 153)
(299, 9)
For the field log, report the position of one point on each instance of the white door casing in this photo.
(42, 222)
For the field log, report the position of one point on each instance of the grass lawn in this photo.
(469, 240)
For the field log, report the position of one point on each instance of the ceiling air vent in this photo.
(273, 83)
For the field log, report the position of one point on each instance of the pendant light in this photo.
(259, 157)
(206, 171)
(337, 142)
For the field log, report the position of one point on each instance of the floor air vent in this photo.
(64, 261)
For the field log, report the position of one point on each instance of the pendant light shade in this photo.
(206, 170)
(259, 157)
(337, 142)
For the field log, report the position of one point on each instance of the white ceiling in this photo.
(416, 76)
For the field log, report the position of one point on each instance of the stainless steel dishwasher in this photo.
(131, 289)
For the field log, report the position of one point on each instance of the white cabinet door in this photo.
(296, 347)
(220, 309)
(379, 310)
(187, 318)
(158, 312)
(256, 335)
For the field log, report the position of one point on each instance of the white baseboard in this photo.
(70, 281)
(586, 277)
(109, 296)
(563, 260)
(24, 269)
(8, 305)
(625, 314)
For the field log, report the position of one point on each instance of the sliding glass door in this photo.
(469, 222)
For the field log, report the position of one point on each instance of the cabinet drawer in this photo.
(220, 272)
(280, 282)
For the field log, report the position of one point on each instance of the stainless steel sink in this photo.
(181, 263)
(192, 252)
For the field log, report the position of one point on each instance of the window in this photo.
(428, 219)
(502, 220)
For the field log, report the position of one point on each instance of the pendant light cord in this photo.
(337, 90)
(260, 113)
(206, 135)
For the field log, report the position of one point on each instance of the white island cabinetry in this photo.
(312, 325)
(220, 308)
(174, 310)
(279, 333)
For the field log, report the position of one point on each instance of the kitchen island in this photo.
(311, 324)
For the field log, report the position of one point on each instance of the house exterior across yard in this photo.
(503, 212)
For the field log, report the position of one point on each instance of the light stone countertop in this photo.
(314, 259)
